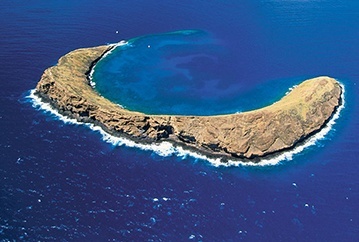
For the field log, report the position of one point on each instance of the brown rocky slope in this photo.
(251, 134)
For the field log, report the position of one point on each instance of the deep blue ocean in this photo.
(63, 182)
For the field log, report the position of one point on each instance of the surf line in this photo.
(166, 148)
(92, 69)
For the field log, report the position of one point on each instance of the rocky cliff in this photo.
(251, 134)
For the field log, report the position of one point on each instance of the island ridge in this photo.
(265, 131)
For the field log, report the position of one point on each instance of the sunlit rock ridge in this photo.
(265, 131)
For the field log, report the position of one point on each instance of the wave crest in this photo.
(166, 148)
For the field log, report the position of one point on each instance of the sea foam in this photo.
(166, 148)
(115, 45)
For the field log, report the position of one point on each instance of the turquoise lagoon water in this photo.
(182, 72)
(59, 181)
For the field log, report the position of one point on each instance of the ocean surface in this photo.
(66, 181)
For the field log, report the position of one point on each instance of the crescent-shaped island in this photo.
(248, 135)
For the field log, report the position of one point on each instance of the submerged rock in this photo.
(298, 115)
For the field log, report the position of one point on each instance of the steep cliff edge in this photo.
(251, 134)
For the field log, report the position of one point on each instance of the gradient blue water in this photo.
(182, 72)
(62, 182)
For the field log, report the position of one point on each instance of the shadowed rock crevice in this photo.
(277, 127)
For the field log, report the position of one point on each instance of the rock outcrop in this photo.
(277, 127)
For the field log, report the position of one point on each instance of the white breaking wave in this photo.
(290, 89)
(115, 45)
(166, 148)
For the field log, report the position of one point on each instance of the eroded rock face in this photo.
(279, 126)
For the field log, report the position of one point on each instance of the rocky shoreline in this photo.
(248, 135)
